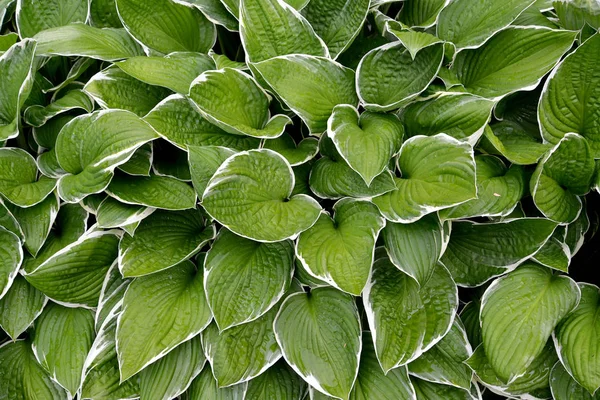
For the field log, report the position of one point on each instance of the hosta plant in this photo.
(299, 199)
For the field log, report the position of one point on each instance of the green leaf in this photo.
(322, 325)
(107, 44)
(478, 252)
(519, 312)
(140, 162)
(205, 387)
(20, 306)
(271, 28)
(35, 16)
(61, 341)
(163, 240)
(577, 339)
(576, 232)
(171, 375)
(245, 279)
(277, 382)
(11, 256)
(17, 63)
(443, 363)
(337, 22)
(388, 77)
(74, 274)
(176, 120)
(438, 172)
(460, 115)
(534, 381)
(513, 142)
(216, 12)
(167, 26)
(421, 13)
(36, 222)
(295, 154)
(113, 289)
(204, 162)
(555, 253)
(415, 248)
(406, 320)
(260, 183)
(566, 104)
(500, 67)
(175, 71)
(499, 190)
(114, 88)
(564, 387)
(19, 181)
(78, 68)
(432, 391)
(91, 146)
(367, 141)
(154, 191)
(7, 40)
(37, 115)
(564, 174)
(469, 25)
(9, 222)
(22, 377)
(310, 86)
(372, 384)
(234, 102)
(414, 41)
(340, 250)
(160, 311)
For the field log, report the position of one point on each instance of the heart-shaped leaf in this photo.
(564, 174)
(367, 141)
(244, 279)
(20, 306)
(519, 312)
(340, 250)
(261, 183)
(324, 325)
(437, 172)
(477, 252)
(163, 240)
(235, 102)
(160, 311)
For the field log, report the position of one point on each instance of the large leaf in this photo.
(421, 12)
(171, 375)
(340, 250)
(204, 162)
(405, 319)
(11, 256)
(62, 338)
(578, 342)
(277, 382)
(571, 95)
(91, 146)
(310, 86)
(322, 325)
(271, 28)
(235, 102)
(260, 183)
(388, 76)
(479, 251)
(35, 16)
(20, 306)
(16, 63)
(500, 66)
(437, 172)
(415, 248)
(564, 387)
(337, 22)
(163, 240)
(367, 141)
(518, 314)
(564, 174)
(468, 25)
(513, 142)
(22, 378)
(166, 26)
(19, 181)
(107, 44)
(244, 279)
(74, 274)
(160, 311)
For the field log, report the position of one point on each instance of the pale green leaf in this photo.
(20, 306)
(295, 154)
(34, 16)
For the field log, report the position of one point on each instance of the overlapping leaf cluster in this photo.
(269, 199)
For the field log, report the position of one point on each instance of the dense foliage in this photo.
(269, 199)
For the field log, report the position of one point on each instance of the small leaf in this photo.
(295, 154)
(513, 142)
(205, 387)
(19, 181)
(11, 256)
(37, 115)
(113, 214)
(20, 306)
(260, 182)
(414, 41)
(160, 311)
(519, 312)
(432, 391)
